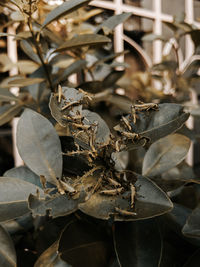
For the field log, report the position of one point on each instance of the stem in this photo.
(39, 53)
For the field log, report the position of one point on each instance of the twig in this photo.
(39, 52)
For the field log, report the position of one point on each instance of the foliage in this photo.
(104, 181)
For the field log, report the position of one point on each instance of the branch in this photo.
(39, 53)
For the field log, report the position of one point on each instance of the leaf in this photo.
(39, 145)
(50, 257)
(24, 173)
(7, 112)
(165, 154)
(28, 50)
(37, 89)
(24, 82)
(56, 205)
(83, 244)
(176, 177)
(109, 24)
(83, 40)
(4, 84)
(138, 243)
(17, 16)
(150, 201)
(73, 68)
(6, 95)
(192, 227)
(26, 66)
(71, 95)
(14, 197)
(63, 10)
(123, 103)
(155, 124)
(7, 250)
(112, 78)
(102, 135)
(193, 260)
(3, 34)
(177, 217)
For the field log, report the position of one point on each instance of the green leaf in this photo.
(24, 82)
(37, 89)
(28, 50)
(71, 95)
(6, 95)
(102, 136)
(7, 112)
(84, 244)
(51, 257)
(83, 40)
(112, 78)
(39, 145)
(25, 174)
(165, 154)
(147, 205)
(7, 250)
(176, 177)
(73, 68)
(63, 10)
(192, 227)
(155, 124)
(108, 25)
(138, 243)
(57, 205)
(14, 197)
